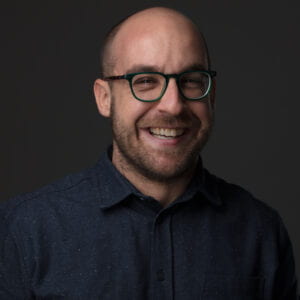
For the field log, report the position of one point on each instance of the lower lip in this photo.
(164, 141)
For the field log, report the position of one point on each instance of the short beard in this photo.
(142, 165)
(132, 159)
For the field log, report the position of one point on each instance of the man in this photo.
(148, 221)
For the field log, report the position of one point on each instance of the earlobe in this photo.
(103, 97)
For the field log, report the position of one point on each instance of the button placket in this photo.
(160, 275)
(162, 258)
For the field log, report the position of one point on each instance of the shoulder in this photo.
(52, 197)
(240, 205)
(234, 194)
(255, 227)
(256, 223)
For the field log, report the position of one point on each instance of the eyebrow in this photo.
(195, 67)
(142, 68)
(153, 68)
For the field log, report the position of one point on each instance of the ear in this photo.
(103, 97)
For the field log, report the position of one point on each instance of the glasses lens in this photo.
(194, 85)
(148, 86)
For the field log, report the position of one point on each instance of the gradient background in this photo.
(50, 125)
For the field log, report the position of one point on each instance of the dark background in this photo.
(50, 125)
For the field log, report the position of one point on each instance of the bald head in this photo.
(159, 23)
(164, 57)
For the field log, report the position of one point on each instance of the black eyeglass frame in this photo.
(128, 77)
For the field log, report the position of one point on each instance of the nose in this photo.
(172, 101)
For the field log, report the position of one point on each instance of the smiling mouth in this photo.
(166, 133)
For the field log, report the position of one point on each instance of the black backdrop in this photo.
(50, 125)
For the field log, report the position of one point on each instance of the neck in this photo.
(163, 191)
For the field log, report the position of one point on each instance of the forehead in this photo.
(165, 43)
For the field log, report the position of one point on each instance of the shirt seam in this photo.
(26, 282)
(26, 197)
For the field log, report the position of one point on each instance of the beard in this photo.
(159, 166)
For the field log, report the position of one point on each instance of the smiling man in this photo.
(160, 122)
(148, 221)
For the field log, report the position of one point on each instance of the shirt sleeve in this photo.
(12, 269)
(285, 280)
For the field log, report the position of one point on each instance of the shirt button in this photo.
(160, 275)
(159, 220)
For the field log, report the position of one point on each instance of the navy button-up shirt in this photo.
(92, 235)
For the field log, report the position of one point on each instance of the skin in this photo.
(162, 40)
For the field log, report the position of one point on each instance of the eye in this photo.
(193, 81)
(146, 82)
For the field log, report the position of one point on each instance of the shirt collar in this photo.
(203, 184)
(113, 187)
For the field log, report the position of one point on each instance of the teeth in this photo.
(167, 132)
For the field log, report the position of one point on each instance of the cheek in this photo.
(127, 110)
(201, 110)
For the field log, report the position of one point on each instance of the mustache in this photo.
(180, 121)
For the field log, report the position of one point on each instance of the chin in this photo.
(164, 170)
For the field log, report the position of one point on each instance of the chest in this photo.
(187, 255)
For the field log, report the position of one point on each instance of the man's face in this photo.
(159, 140)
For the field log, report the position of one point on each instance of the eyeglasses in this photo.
(151, 86)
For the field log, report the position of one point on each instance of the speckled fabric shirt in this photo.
(92, 235)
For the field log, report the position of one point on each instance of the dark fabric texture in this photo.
(92, 235)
